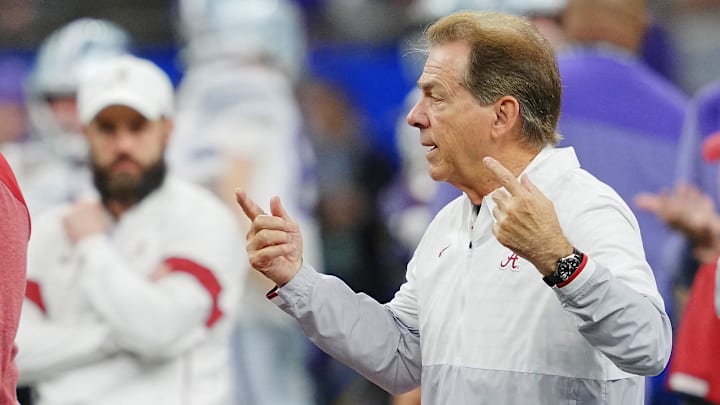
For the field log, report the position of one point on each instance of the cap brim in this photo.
(122, 98)
(711, 147)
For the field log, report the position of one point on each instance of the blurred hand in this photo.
(526, 221)
(689, 211)
(85, 218)
(275, 243)
(160, 272)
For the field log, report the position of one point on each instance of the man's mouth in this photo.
(430, 147)
(124, 165)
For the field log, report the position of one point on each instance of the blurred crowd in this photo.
(306, 99)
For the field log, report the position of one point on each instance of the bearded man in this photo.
(130, 295)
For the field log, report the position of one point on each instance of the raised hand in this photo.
(526, 221)
(689, 211)
(274, 242)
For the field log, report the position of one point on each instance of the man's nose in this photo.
(124, 140)
(417, 117)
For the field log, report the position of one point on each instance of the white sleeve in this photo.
(354, 328)
(49, 339)
(162, 318)
(47, 348)
(614, 298)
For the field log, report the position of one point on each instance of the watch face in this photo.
(567, 267)
(564, 271)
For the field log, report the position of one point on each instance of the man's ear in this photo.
(507, 115)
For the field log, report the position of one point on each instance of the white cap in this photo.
(128, 81)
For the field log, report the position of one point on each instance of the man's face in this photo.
(453, 125)
(126, 152)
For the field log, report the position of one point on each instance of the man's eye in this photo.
(139, 125)
(105, 128)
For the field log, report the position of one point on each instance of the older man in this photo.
(529, 291)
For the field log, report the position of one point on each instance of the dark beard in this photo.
(127, 190)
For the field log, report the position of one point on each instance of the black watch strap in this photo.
(565, 268)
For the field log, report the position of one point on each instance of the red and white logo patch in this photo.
(510, 262)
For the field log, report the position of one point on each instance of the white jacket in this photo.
(96, 329)
(481, 327)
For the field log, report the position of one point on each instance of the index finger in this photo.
(504, 176)
(648, 202)
(248, 206)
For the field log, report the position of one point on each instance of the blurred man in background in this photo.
(131, 297)
(239, 125)
(50, 157)
(689, 209)
(53, 166)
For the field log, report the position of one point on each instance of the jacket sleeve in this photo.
(52, 337)
(155, 318)
(14, 235)
(614, 297)
(354, 328)
(71, 345)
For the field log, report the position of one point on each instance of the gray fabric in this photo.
(355, 329)
(466, 386)
(366, 335)
(478, 331)
(627, 327)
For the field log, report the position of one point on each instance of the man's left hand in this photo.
(85, 218)
(526, 221)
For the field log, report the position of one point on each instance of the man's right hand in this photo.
(274, 242)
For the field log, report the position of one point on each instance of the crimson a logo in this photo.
(510, 262)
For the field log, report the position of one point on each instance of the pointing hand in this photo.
(526, 221)
(274, 242)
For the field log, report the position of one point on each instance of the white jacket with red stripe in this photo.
(99, 326)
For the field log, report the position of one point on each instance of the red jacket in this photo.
(695, 366)
(14, 235)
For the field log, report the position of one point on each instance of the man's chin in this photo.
(128, 186)
(436, 174)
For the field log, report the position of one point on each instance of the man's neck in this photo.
(516, 161)
(117, 209)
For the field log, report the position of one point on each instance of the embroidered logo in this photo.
(510, 262)
(443, 250)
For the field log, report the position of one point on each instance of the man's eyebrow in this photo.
(425, 85)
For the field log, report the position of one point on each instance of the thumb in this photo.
(277, 209)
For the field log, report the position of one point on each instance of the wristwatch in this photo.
(565, 268)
